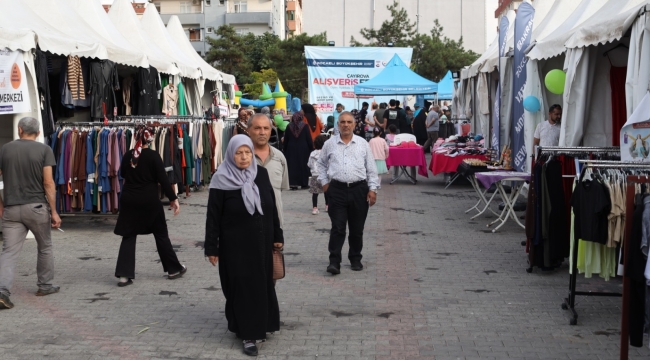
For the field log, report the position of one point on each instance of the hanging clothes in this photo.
(182, 105)
(617, 77)
(43, 85)
(148, 86)
(75, 78)
(170, 100)
(103, 83)
(126, 94)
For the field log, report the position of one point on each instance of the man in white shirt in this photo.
(547, 133)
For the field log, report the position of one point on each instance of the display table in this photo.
(469, 172)
(497, 177)
(407, 156)
(441, 163)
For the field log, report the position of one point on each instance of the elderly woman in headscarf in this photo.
(312, 120)
(141, 211)
(241, 230)
(298, 145)
(241, 126)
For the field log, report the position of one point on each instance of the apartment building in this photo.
(201, 18)
(472, 19)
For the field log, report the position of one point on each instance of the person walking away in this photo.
(379, 148)
(348, 174)
(408, 129)
(29, 204)
(270, 158)
(433, 125)
(379, 119)
(242, 227)
(419, 125)
(312, 120)
(315, 186)
(297, 147)
(547, 133)
(141, 211)
(370, 121)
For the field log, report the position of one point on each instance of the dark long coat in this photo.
(244, 244)
(103, 83)
(420, 127)
(140, 207)
(297, 151)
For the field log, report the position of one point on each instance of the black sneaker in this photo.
(52, 290)
(5, 303)
(356, 266)
(334, 269)
(250, 348)
(178, 274)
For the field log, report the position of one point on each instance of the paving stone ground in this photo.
(436, 285)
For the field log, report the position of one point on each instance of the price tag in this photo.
(76, 190)
(91, 178)
(99, 188)
(91, 191)
(75, 179)
(115, 111)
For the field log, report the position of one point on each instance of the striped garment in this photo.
(75, 78)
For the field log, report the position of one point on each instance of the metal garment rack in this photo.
(569, 302)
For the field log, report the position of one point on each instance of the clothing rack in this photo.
(569, 302)
(570, 149)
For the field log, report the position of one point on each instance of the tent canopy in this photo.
(177, 33)
(17, 39)
(396, 79)
(445, 88)
(153, 25)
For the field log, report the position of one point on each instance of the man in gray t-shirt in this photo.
(29, 204)
(433, 125)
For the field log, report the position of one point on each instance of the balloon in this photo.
(280, 123)
(531, 104)
(555, 80)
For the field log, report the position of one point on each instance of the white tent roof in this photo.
(51, 37)
(561, 10)
(95, 16)
(177, 33)
(17, 39)
(153, 25)
(609, 23)
(553, 44)
(126, 22)
(476, 65)
(63, 15)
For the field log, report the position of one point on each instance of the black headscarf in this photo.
(310, 115)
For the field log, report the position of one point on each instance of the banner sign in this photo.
(496, 123)
(333, 72)
(14, 97)
(523, 33)
(635, 134)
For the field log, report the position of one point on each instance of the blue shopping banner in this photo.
(523, 33)
(496, 124)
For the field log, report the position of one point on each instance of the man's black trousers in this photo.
(347, 206)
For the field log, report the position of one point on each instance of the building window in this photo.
(209, 29)
(208, 2)
(222, 2)
(195, 35)
(242, 31)
(241, 6)
(186, 7)
(291, 15)
(157, 5)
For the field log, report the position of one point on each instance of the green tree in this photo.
(254, 89)
(433, 54)
(227, 53)
(399, 30)
(257, 48)
(287, 58)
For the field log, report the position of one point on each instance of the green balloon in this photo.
(280, 123)
(555, 80)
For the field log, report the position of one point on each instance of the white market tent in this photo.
(121, 14)
(82, 28)
(153, 25)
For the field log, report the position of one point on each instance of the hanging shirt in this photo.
(591, 205)
(170, 100)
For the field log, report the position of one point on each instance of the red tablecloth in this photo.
(398, 156)
(441, 163)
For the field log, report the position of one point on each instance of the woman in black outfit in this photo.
(241, 229)
(419, 126)
(141, 211)
(298, 145)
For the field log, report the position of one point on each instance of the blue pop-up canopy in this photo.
(396, 79)
(445, 89)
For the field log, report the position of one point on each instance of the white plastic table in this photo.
(498, 177)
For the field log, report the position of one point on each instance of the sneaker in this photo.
(178, 274)
(51, 290)
(334, 268)
(5, 303)
(250, 348)
(356, 266)
(315, 211)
